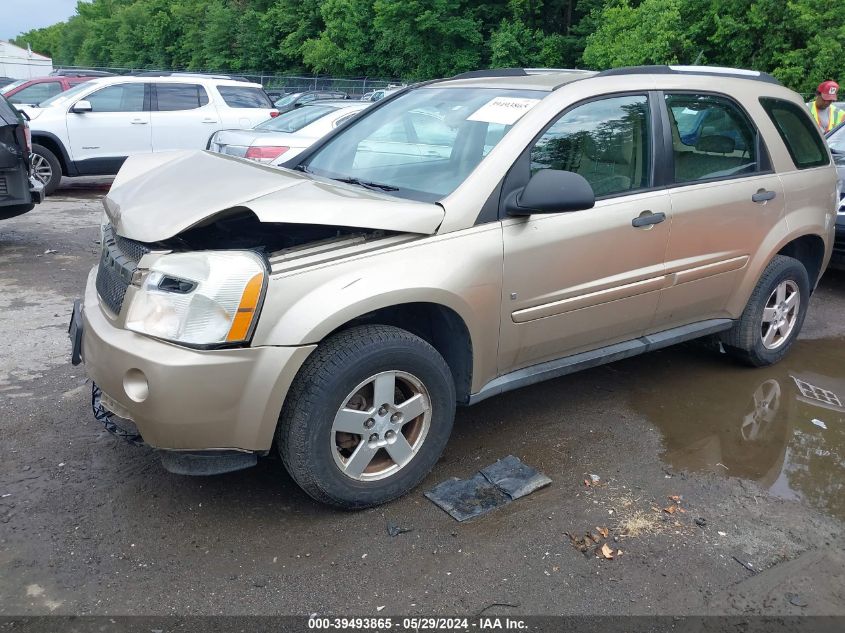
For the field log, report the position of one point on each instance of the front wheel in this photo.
(46, 168)
(367, 417)
(773, 317)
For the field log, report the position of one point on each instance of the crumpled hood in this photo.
(157, 196)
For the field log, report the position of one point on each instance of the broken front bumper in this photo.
(187, 399)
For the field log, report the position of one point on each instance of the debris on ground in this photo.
(742, 559)
(494, 486)
(514, 477)
(393, 529)
(593, 481)
(796, 600)
(819, 424)
(701, 522)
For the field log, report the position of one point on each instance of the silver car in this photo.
(277, 140)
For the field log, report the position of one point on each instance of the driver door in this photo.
(118, 126)
(580, 280)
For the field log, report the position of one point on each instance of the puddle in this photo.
(781, 426)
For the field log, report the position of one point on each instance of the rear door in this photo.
(182, 116)
(117, 126)
(725, 200)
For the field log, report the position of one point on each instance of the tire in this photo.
(745, 340)
(43, 160)
(338, 387)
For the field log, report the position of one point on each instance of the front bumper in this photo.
(187, 399)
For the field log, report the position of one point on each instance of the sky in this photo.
(20, 15)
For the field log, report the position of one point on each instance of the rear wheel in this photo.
(367, 417)
(773, 317)
(46, 168)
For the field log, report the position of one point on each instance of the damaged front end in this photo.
(190, 244)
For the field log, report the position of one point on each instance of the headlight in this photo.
(201, 298)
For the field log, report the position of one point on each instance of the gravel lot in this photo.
(720, 491)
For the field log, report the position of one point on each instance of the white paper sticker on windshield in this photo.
(504, 110)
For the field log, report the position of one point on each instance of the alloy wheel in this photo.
(780, 314)
(381, 426)
(41, 169)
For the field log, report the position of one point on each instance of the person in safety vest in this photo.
(826, 115)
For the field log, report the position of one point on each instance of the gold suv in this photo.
(459, 239)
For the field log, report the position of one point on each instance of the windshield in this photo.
(424, 143)
(67, 95)
(295, 119)
(12, 86)
(286, 100)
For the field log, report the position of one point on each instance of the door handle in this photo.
(209, 120)
(763, 195)
(138, 122)
(647, 218)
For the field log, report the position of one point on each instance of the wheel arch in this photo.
(808, 249)
(439, 325)
(55, 145)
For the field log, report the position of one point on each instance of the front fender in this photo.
(461, 271)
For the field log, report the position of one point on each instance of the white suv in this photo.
(92, 128)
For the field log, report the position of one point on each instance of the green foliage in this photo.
(649, 33)
(802, 42)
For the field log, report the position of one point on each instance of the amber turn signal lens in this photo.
(246, 309)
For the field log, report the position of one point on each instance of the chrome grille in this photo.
(118, 261)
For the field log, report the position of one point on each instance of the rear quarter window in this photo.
(244, 97)
(799, 134)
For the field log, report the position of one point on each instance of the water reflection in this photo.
(782, 426)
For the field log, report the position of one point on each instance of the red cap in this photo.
(827, 90)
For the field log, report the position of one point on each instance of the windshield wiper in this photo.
(368, 185)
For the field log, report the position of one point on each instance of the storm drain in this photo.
(492, 487)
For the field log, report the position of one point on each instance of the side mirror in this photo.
(82, 106)
(552, 191)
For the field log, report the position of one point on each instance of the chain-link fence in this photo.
(353, 86)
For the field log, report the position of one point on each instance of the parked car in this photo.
(19, 191)
(92, 128)
(31, 92)
(298, 99)
(836, 142)
(5, 81)
(338, 309)
(277, 140)
(378, 95)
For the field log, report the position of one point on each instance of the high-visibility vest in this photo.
(836, 117)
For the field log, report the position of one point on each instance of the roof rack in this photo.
(62, 72)
(173, 73)
(715, 71)
(514, 72)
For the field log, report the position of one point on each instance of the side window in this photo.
(244, 97)
(119, 98)
(173, 97)
(711, 138)
(36, 93)
(307, 98)
(605, 141)
(798, 132)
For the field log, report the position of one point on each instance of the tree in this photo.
(649, 33)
